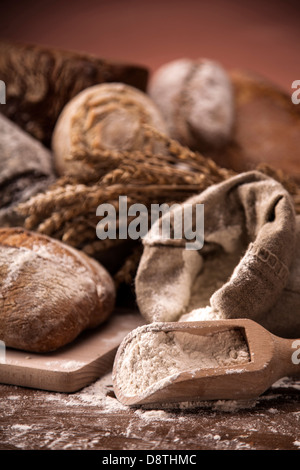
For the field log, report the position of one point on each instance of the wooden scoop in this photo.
(270, 358)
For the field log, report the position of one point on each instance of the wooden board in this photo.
(74, 366)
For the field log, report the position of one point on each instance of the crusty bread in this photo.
(196, 100)
(41, 80)
(99, 120)
(49, 292)
(267, 126)
(25, 169)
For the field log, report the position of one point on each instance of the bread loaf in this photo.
(196, 100)
(267, 126)
(98, 121)
(26, 168)
(49, 292)
(41, 80)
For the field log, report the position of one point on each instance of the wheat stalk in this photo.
(67, 211)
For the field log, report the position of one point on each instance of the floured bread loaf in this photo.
(196, 100)
(49, 292)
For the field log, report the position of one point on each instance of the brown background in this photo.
(260, 35)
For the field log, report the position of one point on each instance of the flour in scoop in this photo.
(152, 358)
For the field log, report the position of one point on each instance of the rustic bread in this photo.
(196, 100)
(41, 80)
(49, 292)
(99, 120)
(267, 126)
(25, 169)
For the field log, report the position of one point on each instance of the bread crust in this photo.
(50, 292)
(41, 80)
(196, 100)
(98, 121)
(267, 127)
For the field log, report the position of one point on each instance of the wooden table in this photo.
(93, 419)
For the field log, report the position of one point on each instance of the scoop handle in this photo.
(288, 356)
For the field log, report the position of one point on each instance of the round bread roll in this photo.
(49, 292)
(195, 98)
(99, 120)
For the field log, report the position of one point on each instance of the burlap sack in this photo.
(248, 267)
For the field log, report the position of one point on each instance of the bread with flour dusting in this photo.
(49, 292)
(196, 100)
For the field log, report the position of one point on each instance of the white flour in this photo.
(202, 314)
(151, 358)
(215, 272)
(65, 364)
(199, 280)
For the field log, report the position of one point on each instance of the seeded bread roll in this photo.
(49, 292)
(41, 80)
(195, 98)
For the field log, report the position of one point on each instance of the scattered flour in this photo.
(153, 414)
(21, 427)
(65, 364)
(99, 393)
(151, 357)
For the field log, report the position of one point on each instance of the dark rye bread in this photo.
(267, 126)
(49, 292)
(40, 81)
